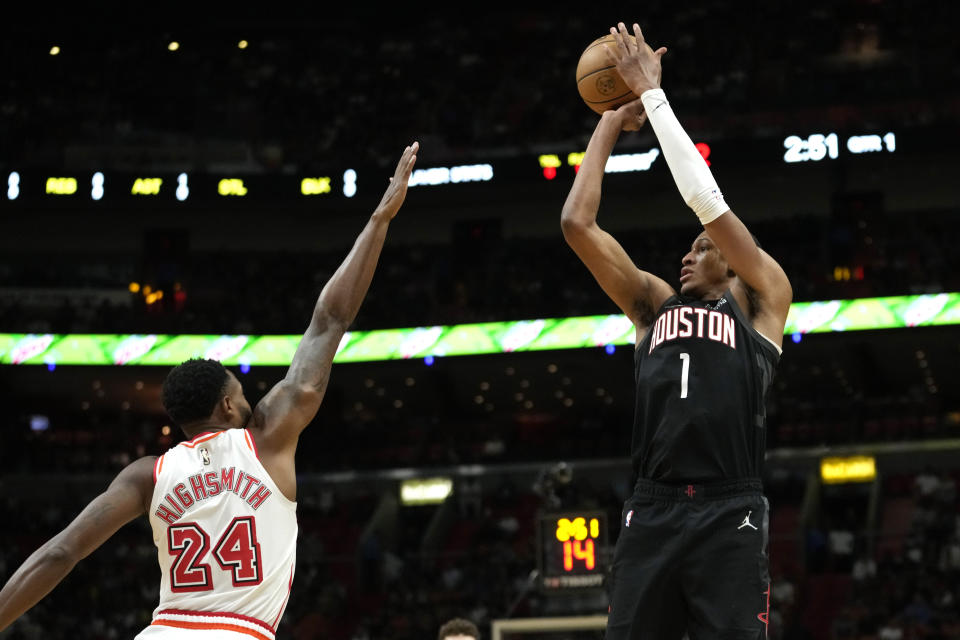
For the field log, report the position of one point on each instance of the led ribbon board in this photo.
(457, 340)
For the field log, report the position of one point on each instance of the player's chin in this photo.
(689, 288)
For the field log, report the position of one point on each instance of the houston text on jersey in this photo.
(689, 322)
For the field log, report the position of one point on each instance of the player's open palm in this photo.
(396, 191)
(637, 63)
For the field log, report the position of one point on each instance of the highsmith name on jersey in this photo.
(203, 486)
(226, 539)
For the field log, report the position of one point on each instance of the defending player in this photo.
(222, 505)
(692, 552)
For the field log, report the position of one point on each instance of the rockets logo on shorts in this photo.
(629, 517)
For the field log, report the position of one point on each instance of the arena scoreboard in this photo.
(572, 550)
(27, 187)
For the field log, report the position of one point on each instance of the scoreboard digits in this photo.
(578, 541)
(13, 185)
(571, 550)
(183, 190)
(59, 188)
(96, 186)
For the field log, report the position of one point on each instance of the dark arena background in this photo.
(181, 184)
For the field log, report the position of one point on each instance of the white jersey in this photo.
(226, 538)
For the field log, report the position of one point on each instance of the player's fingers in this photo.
(619, 40)
(625, 36)
(638, 34)
(403, 166)
(659, 52)
(615, 53)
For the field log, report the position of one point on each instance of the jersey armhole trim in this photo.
(157, 466)
(251, 443)
(774, 344)
(283, 607)
(732, 301)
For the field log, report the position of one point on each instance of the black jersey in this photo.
(702, 374)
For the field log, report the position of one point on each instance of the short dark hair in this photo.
(458, 627)
(192, 389)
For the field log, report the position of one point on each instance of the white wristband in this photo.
(690, 171)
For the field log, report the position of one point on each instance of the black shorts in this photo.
(691, 559)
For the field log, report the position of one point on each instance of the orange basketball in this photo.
(598, 81)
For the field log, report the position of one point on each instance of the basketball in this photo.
(598, 81)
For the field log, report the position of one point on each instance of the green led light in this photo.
(459, 340)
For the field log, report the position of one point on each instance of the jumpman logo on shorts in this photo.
(746, 522)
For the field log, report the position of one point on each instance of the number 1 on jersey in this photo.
(684, 374)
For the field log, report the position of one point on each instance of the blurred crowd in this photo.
(520, 418)
(897, 580)
(334, 81)
(457, 282)
(836, 573)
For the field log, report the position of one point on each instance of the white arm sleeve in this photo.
(690, 171)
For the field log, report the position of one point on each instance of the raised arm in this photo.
(638, 293)
(639, 65)
(127, 497)
(290, 406)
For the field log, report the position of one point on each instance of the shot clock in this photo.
(572, 550)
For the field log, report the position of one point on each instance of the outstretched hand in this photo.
(637, 63)
(632, 115)
(396, 191)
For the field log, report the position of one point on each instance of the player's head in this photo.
(199, 393)
(458, 629)
(705, 273)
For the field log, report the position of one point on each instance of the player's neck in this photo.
(713, 294)
(207, 426)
